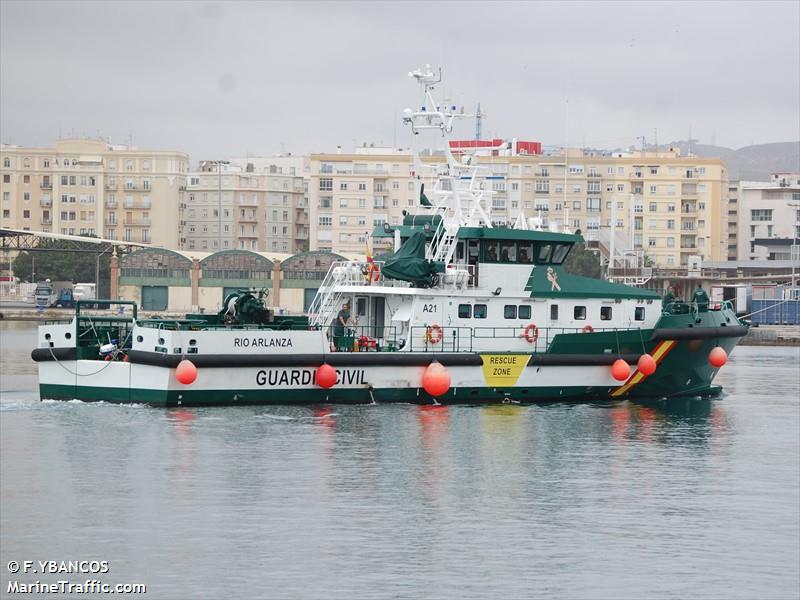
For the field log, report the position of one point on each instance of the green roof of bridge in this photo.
(550, 281)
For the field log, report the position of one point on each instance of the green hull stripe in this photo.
(316, 396)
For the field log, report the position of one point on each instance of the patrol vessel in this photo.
(461, 311)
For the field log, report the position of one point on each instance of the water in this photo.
(689, 498)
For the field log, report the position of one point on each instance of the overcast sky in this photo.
(223, 79)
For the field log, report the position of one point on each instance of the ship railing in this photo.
(324, 304)
(341, 275)
(278, 324)
(96, 327)
(176, 324)
(680, 307)
(491, 339)
(363, 338)
(434, 338)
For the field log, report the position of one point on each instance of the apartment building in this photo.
(351, 194)
(769, 218)
(733, 220)
(294, 166)
(91, 187)
(661, 205)
(228, 206)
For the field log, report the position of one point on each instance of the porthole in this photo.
(47, 336)
(160, 341)
(68, 335)
(139, 338)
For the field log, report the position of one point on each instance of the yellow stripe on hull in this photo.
(659, 353)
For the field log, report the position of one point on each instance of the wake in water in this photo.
(291, 418)
(48, 404)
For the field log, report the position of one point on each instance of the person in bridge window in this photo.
(508, 252)
(523, 255)
(491, 253)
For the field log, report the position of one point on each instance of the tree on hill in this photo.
(582, 261)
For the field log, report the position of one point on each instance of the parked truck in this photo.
(54, 294)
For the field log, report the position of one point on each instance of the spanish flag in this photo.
(368, 252)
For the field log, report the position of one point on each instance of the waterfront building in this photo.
(188, 280)
(233, 207)
(661, 207)
(92, 187)
(769, 218)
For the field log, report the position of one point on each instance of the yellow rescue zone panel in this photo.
(503, 370)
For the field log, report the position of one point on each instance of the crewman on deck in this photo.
(340, 323)
(701, 299)
(668, 300)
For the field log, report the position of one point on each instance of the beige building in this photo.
(662, 205)
(229, 207)
(769, 218)
(294, 166)
(91, 187)
(351, 194)
(733, 220)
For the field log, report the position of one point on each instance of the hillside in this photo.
(751, 163)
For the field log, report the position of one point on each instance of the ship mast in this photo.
(458, 195)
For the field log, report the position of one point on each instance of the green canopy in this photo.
(409, 263)
(423, 199)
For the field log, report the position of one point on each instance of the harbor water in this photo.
(686, 498)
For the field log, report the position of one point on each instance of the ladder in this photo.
(323, 307)
(443, 243)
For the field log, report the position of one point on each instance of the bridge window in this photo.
(605, 313)
(491, 252)
(524, 312)
(465, 311)
(544, 253)
(560, 253)
(525, 252)
(508, 252)
(554, 312)
(579, 314)
(510, 311)
(479, 311)
(638, 313)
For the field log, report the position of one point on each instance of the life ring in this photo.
(433, 334)
(530, 333)
(587, 329)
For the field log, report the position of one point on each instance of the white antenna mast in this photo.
(458, 192)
